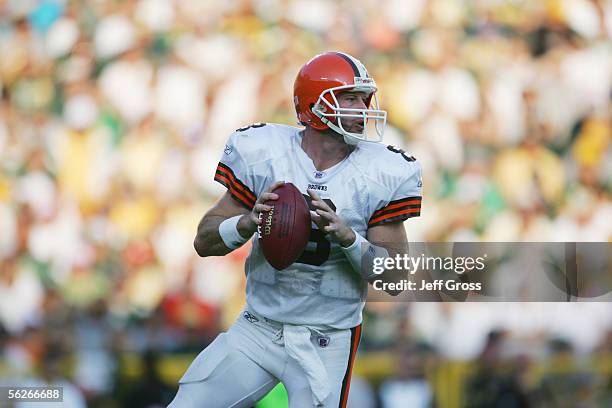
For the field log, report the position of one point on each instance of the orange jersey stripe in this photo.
(394, 214)
(237, 183)
(402, 204)
(230, 186)
(237, 194)
(353, 353)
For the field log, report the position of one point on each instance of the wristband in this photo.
(362, 251)
(228, 230)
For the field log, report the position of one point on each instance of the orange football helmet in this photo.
(314, 96)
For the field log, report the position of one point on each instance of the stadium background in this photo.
(113, 116)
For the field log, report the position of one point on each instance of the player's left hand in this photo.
(328, 221)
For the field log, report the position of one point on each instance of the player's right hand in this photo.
(247, 225)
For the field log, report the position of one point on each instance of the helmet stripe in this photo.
(362, 69)
(358, 68)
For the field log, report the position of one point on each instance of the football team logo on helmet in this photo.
(315, 90)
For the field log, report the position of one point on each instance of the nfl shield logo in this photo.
(319, 174)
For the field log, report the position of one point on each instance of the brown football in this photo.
(284, 231)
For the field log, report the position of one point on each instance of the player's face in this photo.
(353, 100)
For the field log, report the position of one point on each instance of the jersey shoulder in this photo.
(262, 141)
(387, 165)
(396, 183)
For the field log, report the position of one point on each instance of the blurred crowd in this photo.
(500, 375)
(113, 115)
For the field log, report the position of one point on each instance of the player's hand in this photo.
(328, 221)
(247, 225)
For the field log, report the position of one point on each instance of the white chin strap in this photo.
(378, 116)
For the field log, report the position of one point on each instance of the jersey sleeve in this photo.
(234, 173)
(404, 197)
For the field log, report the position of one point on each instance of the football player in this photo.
(301, 326)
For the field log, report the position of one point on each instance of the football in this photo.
(284, 231)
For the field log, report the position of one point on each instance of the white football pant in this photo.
(241, 366)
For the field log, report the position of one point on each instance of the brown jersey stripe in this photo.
(404, 199)
(239, 184)
(237, 195)
(402, 217)
(386, 210)
(230, 173)
(234, 182)
(411, 212)
(346, 382)
(398, 203)
(234, 193)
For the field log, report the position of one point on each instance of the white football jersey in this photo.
(375, 184)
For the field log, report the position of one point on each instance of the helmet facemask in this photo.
(374, 120)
